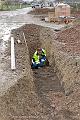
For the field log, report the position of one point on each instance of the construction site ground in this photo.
(36, 94)
(11, 20)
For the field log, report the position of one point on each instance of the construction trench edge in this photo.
(24, 89)
(64, 64)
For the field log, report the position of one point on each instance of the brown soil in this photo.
(40, 11)
(40, 99)
(46, 102)
(71, 38)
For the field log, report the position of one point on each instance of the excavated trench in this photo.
(38, 95)
(45, 79)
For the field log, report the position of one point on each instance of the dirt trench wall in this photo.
(68, 66)
(13, 102)
(65, 66)
(9, 77)
(38, 36)
(46, 37)
(21, 99)
(22, 58)
(31, 34)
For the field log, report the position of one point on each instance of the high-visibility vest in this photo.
(36, 57)
(44, 52)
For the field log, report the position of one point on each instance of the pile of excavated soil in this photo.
(39, 11)
(71, 39)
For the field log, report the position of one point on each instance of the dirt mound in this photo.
(39, 11)
(71, 38)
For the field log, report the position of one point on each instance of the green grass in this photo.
(8, 7)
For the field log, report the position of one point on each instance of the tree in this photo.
(1, 4)
(59, 1)
(13, 1)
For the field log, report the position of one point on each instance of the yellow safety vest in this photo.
(44, 52)
(36, 57)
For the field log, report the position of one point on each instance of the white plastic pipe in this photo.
(12, 54)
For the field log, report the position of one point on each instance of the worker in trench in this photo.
(39, 58)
